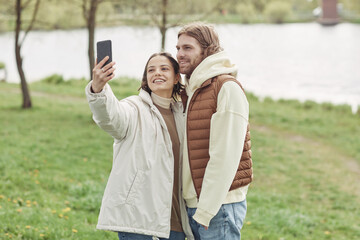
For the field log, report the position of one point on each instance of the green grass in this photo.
(54, 164)
(306, 165)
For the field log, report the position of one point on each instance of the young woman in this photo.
(142, 199)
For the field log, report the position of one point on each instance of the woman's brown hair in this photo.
(178, 87)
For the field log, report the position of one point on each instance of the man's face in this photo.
(189, 54)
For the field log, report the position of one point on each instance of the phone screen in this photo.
(103, 50)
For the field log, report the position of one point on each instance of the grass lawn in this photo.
(54, 164)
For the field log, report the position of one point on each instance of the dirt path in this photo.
(61, 97)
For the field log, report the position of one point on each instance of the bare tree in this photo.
(172, 13)
(163, 25)
(89, 8)
(19, 7)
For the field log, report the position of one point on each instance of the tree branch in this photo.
(155, 19)
(204, 16)
(33, 18)
(84, 11)
(25, 5)
(212, 10)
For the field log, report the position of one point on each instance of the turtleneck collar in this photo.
(160, 101)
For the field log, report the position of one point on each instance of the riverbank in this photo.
(128, 20)
(55, 161)
(50, 14)
(272, 60)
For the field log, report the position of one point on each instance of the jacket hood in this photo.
(214, 65)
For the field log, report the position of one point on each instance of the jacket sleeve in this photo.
(109, 113)
(227, 135)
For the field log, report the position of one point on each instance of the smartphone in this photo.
(103, 50)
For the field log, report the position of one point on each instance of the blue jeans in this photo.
(134, 236)
(225, 225)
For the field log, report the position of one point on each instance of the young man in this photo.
(217, 165)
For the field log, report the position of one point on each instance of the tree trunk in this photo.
(163, 27)
(91, 22)
(24, 86)
(163, 38)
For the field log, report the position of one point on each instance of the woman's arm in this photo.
(110, 114)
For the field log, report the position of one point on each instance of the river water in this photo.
(304, 61)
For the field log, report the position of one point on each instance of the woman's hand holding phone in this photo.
(102, 74)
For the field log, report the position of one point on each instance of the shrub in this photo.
(246, 12)
(309, 104)
(259, 5)
(268, 100)
(2, 65)
(251, 97)
(344, 108)
(327, 106)
(54, 79)
(277, 11)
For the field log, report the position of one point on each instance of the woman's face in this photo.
(161, 77)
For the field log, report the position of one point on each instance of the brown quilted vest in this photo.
(201, 108)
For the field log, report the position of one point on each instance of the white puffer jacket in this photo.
(138, 194)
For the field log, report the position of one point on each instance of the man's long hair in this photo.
(205, 34)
